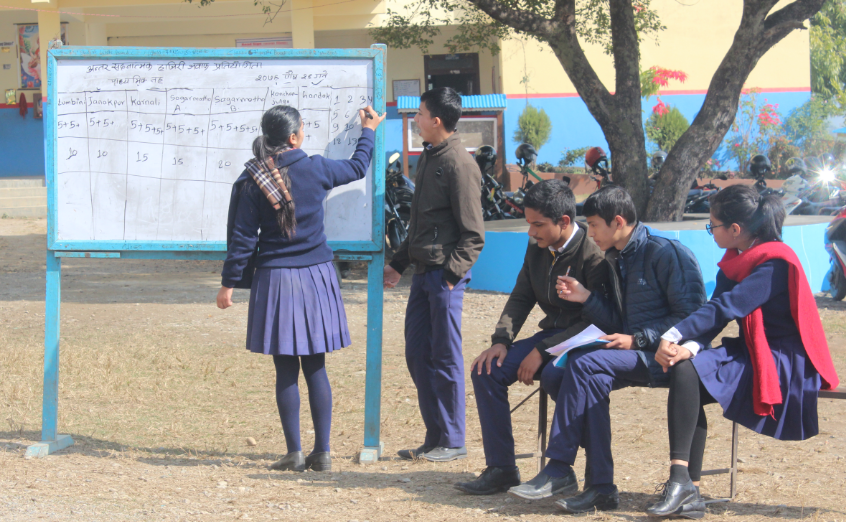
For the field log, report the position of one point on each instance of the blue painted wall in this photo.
(21, 144)
(502, 257)
(574, 127)
(22, 147)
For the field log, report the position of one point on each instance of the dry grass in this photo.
(160, 396)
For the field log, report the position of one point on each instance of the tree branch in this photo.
(626, 53)
(796, 12)
(524, 21)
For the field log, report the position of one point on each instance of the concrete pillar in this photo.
(95, 35)
(49, 28)
(302, 24)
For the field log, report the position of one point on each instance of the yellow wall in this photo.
(696, 39)
(403, 64)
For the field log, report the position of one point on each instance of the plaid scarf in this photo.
(269, 180)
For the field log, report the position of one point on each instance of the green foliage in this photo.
(756, 129)
(664, 129)
(572, 157)
(533, 127)
(420, 21)
(807, 128)
(546, 167)
(828, 52)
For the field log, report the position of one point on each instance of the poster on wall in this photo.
(29, 53)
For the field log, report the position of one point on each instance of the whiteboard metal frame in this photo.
(377, 187)
(370, 251)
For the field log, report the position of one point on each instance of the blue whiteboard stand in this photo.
(371, 251)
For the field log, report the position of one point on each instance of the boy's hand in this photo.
(391, 277)
(529, 367)
(569, 289)
(497, 351)
(619, 341)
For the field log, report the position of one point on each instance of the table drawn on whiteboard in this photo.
(148, 150)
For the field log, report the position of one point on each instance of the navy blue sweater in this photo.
(252, 220)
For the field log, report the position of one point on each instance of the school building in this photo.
(695, 41)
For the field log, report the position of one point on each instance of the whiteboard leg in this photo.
(50, 441)
(373, 380)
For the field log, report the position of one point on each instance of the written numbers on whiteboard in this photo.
(148, 150)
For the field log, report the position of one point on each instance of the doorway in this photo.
(459, 71)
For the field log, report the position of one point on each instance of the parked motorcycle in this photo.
(835, 245)
(494, 204)
(399, 191)
(699, 196)
(526, 155)
(796, 186)
(822, 194)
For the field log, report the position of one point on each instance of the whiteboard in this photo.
(147, 149)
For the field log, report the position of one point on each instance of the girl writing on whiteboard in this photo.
(275, 229)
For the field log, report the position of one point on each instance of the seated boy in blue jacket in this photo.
(654, 283)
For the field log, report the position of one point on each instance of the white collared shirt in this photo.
(561, 250)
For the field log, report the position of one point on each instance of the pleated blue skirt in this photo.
(296, 311)
(727, 374)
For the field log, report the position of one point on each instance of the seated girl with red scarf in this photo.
(768, 379)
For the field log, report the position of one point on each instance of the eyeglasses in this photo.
(710, 227)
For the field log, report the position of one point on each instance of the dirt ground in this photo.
(161, 397)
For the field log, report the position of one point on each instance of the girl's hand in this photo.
(224, 298)
(669, 354)
(370, 119)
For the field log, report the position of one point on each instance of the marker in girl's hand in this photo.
(368, 115)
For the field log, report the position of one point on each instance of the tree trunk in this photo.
(755, 36)
(619, 115)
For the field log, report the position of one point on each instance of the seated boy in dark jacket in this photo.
(558, 246)
(655, 283)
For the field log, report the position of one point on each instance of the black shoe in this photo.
(319, 461)
(590, 500)
(678, 500)
(588, 482)
(544, 486)
(441, 454)
(492, 480)
(413, 454)
(293, 461)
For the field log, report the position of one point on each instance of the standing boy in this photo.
(445, 238)
(558, 246)
(655, 283)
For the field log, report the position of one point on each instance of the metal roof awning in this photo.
(475, 103)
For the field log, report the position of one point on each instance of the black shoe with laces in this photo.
(412, 454)
(492, 480)
(590, 500)
(678, 499)
(544, 486)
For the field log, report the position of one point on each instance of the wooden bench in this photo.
(837, 393)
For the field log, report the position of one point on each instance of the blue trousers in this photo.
(581, 393)
(434, 358)
(492, 400)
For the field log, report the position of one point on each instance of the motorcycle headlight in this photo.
(518, 199)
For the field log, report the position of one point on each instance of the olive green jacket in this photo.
(446, 230)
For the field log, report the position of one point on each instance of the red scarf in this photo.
(766, 391)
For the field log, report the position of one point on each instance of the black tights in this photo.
(686, 417)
